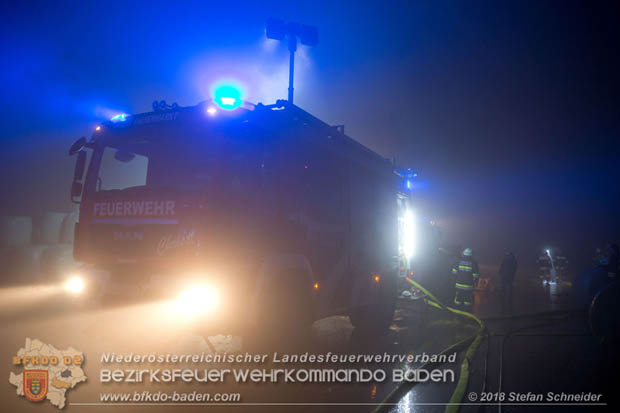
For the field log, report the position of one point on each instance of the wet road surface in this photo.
(540, 354)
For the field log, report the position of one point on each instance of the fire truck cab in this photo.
(263, 214)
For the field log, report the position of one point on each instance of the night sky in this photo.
(509, 112)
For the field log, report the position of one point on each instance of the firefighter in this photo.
(507, 271)
(466, 276)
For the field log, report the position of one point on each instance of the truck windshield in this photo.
(115, 174)
(188, 165)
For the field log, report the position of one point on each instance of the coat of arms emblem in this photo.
(35, 384)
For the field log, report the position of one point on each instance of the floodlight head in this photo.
(308, 35)
(292, 29)
(279, 30)
(276, 29)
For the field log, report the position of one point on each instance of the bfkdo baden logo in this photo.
(47, 372)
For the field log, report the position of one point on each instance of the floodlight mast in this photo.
(278, 30)
(292, 48)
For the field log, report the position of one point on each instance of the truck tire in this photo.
(377, 317)
(284, 314)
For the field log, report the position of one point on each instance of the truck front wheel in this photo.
(284, 314)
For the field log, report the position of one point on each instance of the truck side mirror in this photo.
(78, 173)
(76, 190)
(77, 146)
(80, 164)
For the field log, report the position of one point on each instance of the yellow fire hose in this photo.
(461, 385)
(473, 341)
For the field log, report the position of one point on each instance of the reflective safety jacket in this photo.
(466, 272)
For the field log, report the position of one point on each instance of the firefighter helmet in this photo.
(467, 252)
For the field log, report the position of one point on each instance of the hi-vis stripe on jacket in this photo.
(466, 271)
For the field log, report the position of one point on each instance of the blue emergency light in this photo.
(227, 97)
(121, 117)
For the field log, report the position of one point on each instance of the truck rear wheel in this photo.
(377, 317)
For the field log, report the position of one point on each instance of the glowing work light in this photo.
(228, 97)
(409, 239)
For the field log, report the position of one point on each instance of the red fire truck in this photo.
(259, 215)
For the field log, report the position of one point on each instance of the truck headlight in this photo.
(197, 300)
(74, 285)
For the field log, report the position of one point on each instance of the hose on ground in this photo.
(461, 385)
(472, 341)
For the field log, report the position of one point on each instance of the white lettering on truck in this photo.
(170, 242)
(133, 208)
